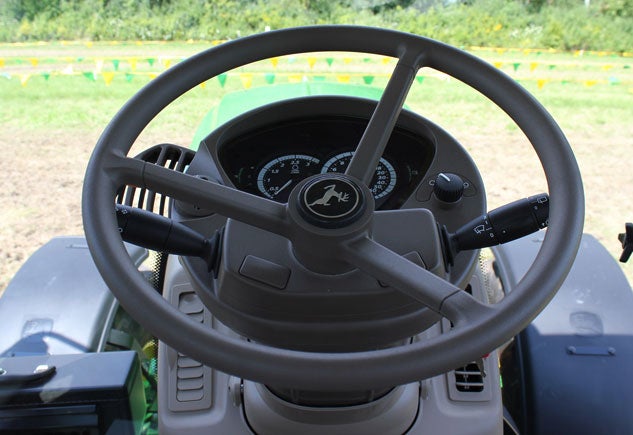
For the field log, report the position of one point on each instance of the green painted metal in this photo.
(236, 103)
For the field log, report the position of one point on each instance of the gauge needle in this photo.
(288, 183)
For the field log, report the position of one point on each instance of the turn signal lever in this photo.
(501, 225)
(156, 232)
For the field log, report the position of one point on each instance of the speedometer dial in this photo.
(277, 177)
(382, 183)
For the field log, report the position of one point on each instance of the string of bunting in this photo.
(166, 61)
(106, 69)
(247, 80)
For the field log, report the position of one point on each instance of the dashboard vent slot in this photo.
(469, 379)
(190, 374)
(190, 387)
(169, 156)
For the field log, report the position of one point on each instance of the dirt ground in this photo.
(42, 181)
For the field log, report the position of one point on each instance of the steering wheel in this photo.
(478, 328)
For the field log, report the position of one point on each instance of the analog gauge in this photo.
(384, 179)
(277, 178)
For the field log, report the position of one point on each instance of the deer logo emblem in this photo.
(330, 192)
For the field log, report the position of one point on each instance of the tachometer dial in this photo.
(382, 183)
(277, 178)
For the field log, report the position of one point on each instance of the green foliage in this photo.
(564, 24)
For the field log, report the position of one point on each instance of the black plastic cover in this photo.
(575, 360)
(89, 393)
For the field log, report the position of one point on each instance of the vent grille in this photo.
(190, 386)
(190, 373)
(169, 156)
(469, 379)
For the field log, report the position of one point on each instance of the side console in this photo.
(570, 370)
(58, 303)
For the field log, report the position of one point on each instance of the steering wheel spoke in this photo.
(224, 200)
(399, 273)
(374, 140)
(437, 294)
(462, 309)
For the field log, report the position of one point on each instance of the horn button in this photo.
(331, 201)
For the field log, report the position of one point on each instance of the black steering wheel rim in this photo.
(340, 371)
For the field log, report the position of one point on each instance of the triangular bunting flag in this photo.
(108, 76)
(247, 80)
(89, 75)
(222, 79)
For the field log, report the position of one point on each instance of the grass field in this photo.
(57, 98)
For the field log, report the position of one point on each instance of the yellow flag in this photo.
(247, 80)
(541, 83)
(498, 65)
(294, 78)
(133, 61)
(312, 61)
(343, 78)
(24, 78)
(533, 66)
(1, 62)
(33, 61)
(107, 77)
(274, 61)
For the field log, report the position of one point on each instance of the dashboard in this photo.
(269, 150)
(270, 161)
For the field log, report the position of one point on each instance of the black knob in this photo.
(448, 187)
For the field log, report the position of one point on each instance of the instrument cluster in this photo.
(270, 162)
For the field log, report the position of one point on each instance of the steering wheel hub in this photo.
(331, 201)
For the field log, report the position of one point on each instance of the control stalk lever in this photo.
(152, 231)
(501, 225)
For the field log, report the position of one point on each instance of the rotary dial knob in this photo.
(448, 187)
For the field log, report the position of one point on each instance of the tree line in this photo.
(560, 24)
